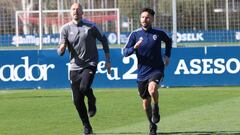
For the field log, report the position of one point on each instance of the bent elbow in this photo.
(125, 52)
(60, 53)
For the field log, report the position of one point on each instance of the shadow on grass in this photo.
(176, 133)
(202, 133)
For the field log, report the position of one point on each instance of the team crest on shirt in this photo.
(154, 37)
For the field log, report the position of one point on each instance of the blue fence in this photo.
(211, 66)
(200, 36)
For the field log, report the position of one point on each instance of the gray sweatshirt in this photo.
(81, 42)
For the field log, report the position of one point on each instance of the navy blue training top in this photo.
(149, 55)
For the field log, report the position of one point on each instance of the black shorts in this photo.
(143, 85)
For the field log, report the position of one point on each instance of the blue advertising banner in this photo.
(204, 66)
(32, 69)
(202, 36)
(201, 66)
(198, 36)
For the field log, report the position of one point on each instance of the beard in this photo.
(145, 25)
(75, 17)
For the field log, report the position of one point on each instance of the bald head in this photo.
(76, 11)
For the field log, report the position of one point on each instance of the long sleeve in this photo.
(102, 38)
(168, 43)
(63, 41)
(129, 47)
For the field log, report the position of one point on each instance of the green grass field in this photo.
(191, 110)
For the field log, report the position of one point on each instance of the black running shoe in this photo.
(155, 114)
(87, 130)
(153, 129)
(92, 109)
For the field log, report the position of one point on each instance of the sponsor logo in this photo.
(112, 38)
(123, 38)
(189, 37)
(25, 72)
(237, 35)
(154, 37)
(208, 66)
(31, 39)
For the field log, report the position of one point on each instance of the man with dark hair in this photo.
(79, 36)
(145, 42)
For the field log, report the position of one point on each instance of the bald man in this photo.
(79, 36)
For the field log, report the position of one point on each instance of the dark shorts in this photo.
(143, 85)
